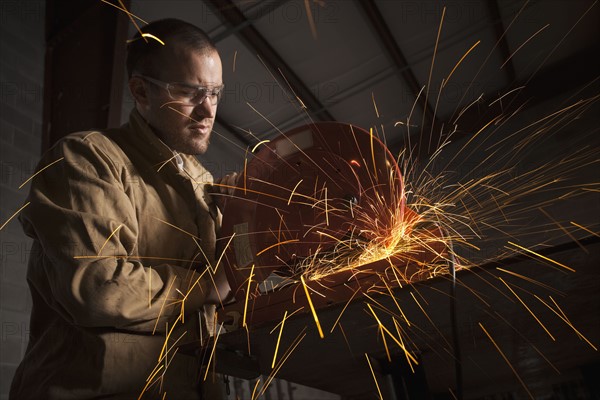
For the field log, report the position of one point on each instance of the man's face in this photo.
(184, 128)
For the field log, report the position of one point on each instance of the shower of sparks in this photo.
(464, 210)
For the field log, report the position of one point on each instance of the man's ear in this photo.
(139, 90)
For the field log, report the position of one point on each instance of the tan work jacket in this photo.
(122, 233)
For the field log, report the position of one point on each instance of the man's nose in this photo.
(205, 109)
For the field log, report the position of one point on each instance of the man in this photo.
(124, 235)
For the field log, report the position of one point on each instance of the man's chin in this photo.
(193, 149)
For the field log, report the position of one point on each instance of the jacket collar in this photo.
(159, 153)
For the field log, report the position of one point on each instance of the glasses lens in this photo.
(194, 95)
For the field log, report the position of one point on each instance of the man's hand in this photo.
(222, 188)
(226, 184)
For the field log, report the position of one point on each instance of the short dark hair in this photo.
(142, 50)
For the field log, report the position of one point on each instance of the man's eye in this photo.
(183, 92)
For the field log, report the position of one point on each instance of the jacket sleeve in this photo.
(78, 205)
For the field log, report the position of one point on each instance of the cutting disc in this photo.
(305, 192)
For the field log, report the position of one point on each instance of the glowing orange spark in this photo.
(286, 355)
(566, 320)
(276, 245)
(312, 308)
(399, 331)
(458, 63)
(394, 298)
(437, 40)
(108, 238)
(528, 309)
(34, 175)
(151, 36)
(374, 377)
(14, 215)
(326, 209)
(150, 287)
(387, 351)
(585, 229)
(414, 360)
(506, 360)
(212, 353)
(162, 307)
(148, 381)
(562, 228)
(124, 10)
(343, 309)
(245, 175)
(247, 294)
(541, 256)
(169, 331)
(259, 143)
(429, 318)
(373, 153)
(523, 44)
(176, 227)
(166, 162)
(255, 387)
(375, 104)
(278, 339)
(528, 279)
(294, 190)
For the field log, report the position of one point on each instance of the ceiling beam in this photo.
(501, 42)
(258, 11)
(393, 51)
(250, 36)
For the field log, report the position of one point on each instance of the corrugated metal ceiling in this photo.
(343, 70)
